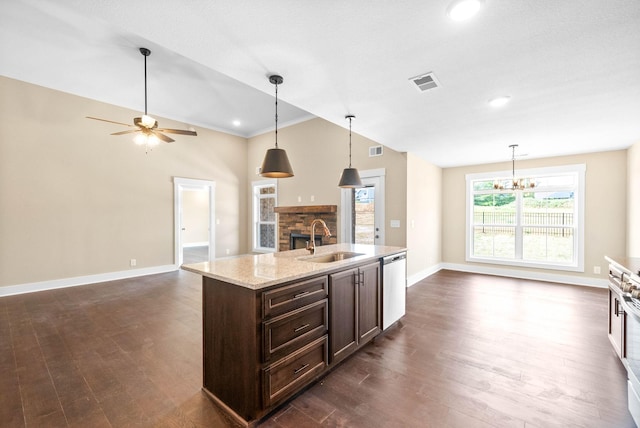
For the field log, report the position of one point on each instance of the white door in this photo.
(362, 211)
(194, 230)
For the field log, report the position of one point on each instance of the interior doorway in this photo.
(362, 210)
(194, 214)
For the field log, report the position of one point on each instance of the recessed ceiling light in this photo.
(499, 101)
(236, 123)
(461, 10)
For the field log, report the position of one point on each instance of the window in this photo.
(264, 216)
(535, 227)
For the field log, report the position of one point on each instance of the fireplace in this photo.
(299, 240)
(294, 225)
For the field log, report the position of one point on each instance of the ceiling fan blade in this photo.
(128, 131)
(110, 121)
(178, 131)
(162, 137)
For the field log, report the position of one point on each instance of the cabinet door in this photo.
(616, 323)
(368, 303)
(343, 329)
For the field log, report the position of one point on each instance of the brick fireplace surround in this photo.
(298, 220)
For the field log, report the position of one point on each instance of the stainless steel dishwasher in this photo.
(394, 288)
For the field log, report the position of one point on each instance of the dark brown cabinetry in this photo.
(262, 346)
(355, 309)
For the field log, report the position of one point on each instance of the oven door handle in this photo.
(629, 307)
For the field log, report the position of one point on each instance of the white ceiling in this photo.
(571, 67)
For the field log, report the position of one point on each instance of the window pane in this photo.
(364, 216)
(267, 190)
(494, 242)
(548, 244)
(494, 208)
(548, 208)
(267, 236)
(266, 209)
(483, 185)
(569, 180)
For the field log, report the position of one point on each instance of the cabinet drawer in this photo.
(284, 299)
(286, 376)
(284, 334)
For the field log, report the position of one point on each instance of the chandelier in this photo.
(514, 183)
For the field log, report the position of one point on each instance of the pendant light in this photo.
(350, 178)
(276, 163)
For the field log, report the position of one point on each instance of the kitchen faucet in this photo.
(311, 245)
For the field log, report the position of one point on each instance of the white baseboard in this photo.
(11, 290)
(417, 277)
(511, 273)
(523, 274)
(196, 244)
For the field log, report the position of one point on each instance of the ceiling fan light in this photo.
(140, 139)
(147, 121)
(461, 10)
(276, 164)
(350, 179)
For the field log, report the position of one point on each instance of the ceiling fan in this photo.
(147, 126)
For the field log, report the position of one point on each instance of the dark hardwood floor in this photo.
(195, 254)
(472, 351)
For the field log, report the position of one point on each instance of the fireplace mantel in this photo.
(307, 209)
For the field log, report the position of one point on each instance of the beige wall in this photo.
(605, 206)
(424, 217)
(633, 201)
(318, 151)
(76, 201)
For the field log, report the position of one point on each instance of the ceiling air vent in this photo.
(375, 151)
(424, 82)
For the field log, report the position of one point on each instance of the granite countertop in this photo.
(629, 264)
(265, 270)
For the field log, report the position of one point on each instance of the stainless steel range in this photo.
(624, 323)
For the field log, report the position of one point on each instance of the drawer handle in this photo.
(296, 371)
(302, 327)
(299, 295)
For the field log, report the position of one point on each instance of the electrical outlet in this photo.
(228, 251)
(299, 198)
(313, 198)
(596, 270)
(132, 262)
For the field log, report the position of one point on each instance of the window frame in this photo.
(255, 214)
(577, 264)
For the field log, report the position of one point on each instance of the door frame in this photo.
(179, 185)
(369, 176)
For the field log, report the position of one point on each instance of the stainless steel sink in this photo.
(331, 257)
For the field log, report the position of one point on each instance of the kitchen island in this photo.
(274, 323)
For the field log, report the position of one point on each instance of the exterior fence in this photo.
(540, 223)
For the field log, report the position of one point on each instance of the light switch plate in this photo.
(395, 223)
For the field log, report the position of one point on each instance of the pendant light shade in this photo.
(276, 163)
(350, 178)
